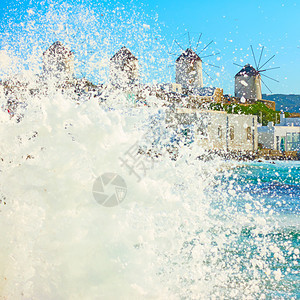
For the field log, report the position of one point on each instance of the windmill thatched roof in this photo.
(123, 54)
(189, 54)
(247, 70)
(58, 48)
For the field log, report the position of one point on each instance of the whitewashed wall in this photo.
(215, 130)
(248, 87)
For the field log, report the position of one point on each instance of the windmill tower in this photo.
(58, 61)
(248, 83)
(189, 66)
(248, 80)
(124, 69)
(189, 70)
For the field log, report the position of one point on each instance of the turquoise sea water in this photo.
(267, 195)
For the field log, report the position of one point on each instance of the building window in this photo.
(293, 141)
(277, 143)
(249, 135)
(282, 143)
(219, 132)
(231, 133)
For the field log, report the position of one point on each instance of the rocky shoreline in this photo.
(260, 155)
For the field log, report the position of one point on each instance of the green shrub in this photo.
(259, 109)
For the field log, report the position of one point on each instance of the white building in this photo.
(284, 136)
(189, 70)
(216, 130)
(248, 83)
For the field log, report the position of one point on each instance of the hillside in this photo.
(290, 103)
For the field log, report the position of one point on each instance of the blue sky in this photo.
(149, 28)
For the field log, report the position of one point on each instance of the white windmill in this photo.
(124, 69)
(248, 80)
(189, 65)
